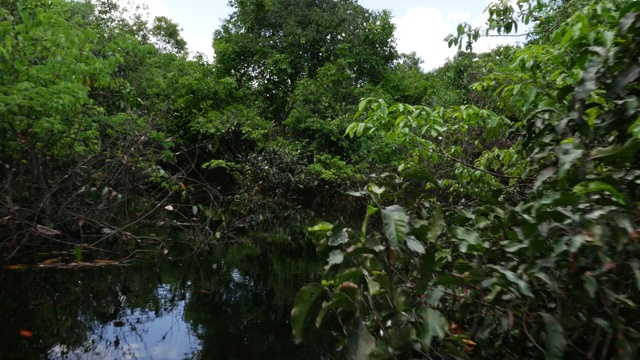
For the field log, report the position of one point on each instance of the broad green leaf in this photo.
(544, 175)
(449, 279)
(365, 223)
(566, 161)
(466, 234)
(513, 247)
(301, 306)
(321, 226)
(415, 245)
(437, 225)
(374, 286)
(633, 6)
(339, 301)
(592, 186)
(421, 174)
(395, 224)
(349, 275)
(434, 295)
(340, 237)
(512, 277)
(467, 237)
(435, 325)
(556, 343)
(627, 76)
(335, 257)
(360, 343)
(616, 153)
(547, 279)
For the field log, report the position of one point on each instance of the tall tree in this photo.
(271, 44)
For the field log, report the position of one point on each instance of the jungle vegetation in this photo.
(485, 209)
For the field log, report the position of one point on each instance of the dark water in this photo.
(233, 303)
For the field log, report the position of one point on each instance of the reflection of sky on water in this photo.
(139, 335)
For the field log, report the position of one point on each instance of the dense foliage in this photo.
(500, 191)
(522, 238)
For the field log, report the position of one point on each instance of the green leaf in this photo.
(77, 251)
(466, 234)
(512, 277)
(588, 83)
(468, 237)
(437, 225)
(421, 174)
(321, 226)
(449, 279)
(340, 237)
(435, 326)
(374, 286)
(395, 224)
(301, 306)
(633, 6)
(566, 161)
(544, 175)
(627, 76)
(335, 257)
(593, 186)
(590, 284)
(360, 343)
(635, 266)
(349, 275)
(616, 153)
(556, 343)
(415, 245)
(370, 211)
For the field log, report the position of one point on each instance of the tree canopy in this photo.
(270, 45)
(486, 209)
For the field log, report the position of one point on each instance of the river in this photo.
(233, 302)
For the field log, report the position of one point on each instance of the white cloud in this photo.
(423, 30)
(198, 42)
(485, 44)
(458, 17)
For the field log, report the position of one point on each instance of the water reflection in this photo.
(233, 305)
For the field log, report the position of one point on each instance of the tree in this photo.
(269, 45)
(537, 255)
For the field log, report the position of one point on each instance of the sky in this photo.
(421, 25)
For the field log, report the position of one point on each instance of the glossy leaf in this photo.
(321, 226)
(556, 343)
(435, 326)
(415, 245)
(395, 224)
(335, 257)
(305, 298)
(340, 237)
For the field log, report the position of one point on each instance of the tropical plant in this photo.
(531, 249)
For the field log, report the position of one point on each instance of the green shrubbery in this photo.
(521, 248)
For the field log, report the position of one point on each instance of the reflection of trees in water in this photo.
(245, 311)
(78, 309)
(236, 304)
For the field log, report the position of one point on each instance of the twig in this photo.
(134, 222)
(526, 331)
(494, 174)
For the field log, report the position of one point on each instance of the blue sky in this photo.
(421, 25)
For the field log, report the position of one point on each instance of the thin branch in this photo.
(494, 174)
(526, 331)
(508, 35)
